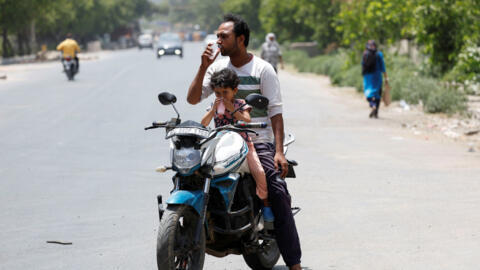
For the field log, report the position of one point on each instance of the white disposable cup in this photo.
(214, 50)
(221, 108)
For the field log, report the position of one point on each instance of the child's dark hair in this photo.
(240, 27)
(225, 78)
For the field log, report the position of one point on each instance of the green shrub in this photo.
(447, 100)
(405, 81)
(352, 77)
(296, 57)
(467, 70)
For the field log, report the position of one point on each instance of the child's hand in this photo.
(215, 104)
(229, 105)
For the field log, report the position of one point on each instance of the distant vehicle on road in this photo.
(145, 41)
(70, 67)
(169, 44)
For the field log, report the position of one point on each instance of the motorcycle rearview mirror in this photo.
(256, 100)
(166, 98)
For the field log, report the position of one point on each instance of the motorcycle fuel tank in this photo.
(230, 152)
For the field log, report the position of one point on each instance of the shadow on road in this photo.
(283, 267)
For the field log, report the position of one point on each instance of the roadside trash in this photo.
(451, 134)
(471, 149)
(3, 77)
(472, 132)
(404, 105)
(59, 242)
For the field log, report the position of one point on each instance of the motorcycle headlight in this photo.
(187, 160)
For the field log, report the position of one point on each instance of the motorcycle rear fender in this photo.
(187, 197)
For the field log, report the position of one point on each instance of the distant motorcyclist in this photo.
(70, 48)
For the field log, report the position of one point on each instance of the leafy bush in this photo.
(296, 57)
(467, 69)
(447, 100)
(404, 76)
(352, 77)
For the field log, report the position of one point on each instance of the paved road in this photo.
(76, 166)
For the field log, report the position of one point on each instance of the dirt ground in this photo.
(463, 129)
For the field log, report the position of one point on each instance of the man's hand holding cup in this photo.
(210, 54)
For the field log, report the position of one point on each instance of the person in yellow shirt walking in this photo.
(70, 48)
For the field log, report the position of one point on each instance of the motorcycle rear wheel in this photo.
(70, 74)
(176, 233)
(263, 259)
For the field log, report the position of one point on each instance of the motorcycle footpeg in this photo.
(269, 237)
(295, 210)
(162, 169)
(268, 226)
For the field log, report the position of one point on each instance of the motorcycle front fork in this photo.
(203, 213)
(201, 219)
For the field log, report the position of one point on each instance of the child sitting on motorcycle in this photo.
(225, 85)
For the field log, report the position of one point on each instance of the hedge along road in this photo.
(76, 166)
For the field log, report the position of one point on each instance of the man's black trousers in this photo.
(280, 200)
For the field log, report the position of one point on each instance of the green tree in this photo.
(52, 19)
(444, 27)
(16, 18)
(381, 20)
(248, 9)
(209, 14)
(300, 20)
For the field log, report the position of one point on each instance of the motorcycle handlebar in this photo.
(156, 125)
(251, 125)
(237, 129)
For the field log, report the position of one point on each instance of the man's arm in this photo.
(77, 48)
(195, 90)
(194, 94)
(278, 133)
(60, 46)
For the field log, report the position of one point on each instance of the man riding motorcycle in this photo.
(70, 48)
(258, 77)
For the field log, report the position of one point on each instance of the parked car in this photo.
(169, 44)
(145, 41)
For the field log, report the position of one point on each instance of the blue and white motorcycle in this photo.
(213, 207)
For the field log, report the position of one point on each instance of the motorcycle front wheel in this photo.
(175, 241)
(265, 258)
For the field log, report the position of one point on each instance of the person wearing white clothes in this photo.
(271, 51)
(256, 76)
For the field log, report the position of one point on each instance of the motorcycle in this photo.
(69, 67)
(213, 207)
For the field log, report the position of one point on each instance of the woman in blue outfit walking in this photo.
(372, 68)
